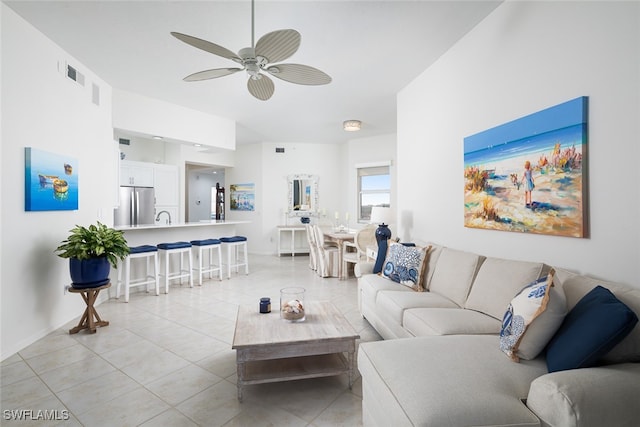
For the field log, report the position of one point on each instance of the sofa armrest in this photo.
(605, 395)
(363, 267)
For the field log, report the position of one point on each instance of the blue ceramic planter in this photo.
(89, 273)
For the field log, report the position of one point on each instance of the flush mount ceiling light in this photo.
(156, 137)
(352, 125)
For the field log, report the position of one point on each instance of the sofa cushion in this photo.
(394, 303)
(454, 274)
(531, 320)
(432, 261)
(448, 321)
(590, 397)
(592, 328)
(370, 284)
(498, 280)
(454, 380)
(628, 350)
(405, 265)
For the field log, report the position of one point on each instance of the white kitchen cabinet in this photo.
(165, 182)
(139, 174)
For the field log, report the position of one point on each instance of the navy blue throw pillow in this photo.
(597, 323)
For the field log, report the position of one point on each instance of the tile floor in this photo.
(167, 361)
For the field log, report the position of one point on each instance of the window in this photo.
(374, 189)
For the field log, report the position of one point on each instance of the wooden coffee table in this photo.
(269, 349)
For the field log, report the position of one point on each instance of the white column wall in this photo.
(42, 108)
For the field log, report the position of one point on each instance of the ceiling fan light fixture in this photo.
(352, 125)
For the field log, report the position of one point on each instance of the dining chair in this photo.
(313, 250)
(327, 255)
(353, 253)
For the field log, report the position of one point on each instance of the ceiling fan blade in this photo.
(299, 74)
(207, 46)
(261, 88)
(211, 74)
(278, 45)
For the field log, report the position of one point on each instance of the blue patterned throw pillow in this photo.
(530, 304)
(406, 264)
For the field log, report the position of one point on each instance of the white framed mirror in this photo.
(303, 195)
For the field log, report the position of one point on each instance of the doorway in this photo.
(201, 179)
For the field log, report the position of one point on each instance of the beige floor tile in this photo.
(54, 341)
(265, 416)
(222, 364)
(183, 384)
(107, 339)
(129, 409)
(214, 406)
(146, 370)
(46, 412)
(76, 373)
(345, 411)
(23, 393)
(97, 391)
(15, 372)
(59, 358)
(169, 418)
(132, 353)
(11, 359)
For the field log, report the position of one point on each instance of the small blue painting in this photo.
(242, 197)
(51, 181)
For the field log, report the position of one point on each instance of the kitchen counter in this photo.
(178, 225)
(151, 234)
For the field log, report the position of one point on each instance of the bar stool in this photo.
(167, 249)
(199, 246)
(149, 252)
(235, 243)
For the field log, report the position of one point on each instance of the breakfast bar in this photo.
(152, 234)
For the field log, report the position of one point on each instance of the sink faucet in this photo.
(160, 213)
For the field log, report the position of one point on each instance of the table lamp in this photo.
(381, 216)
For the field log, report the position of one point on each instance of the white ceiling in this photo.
(371, 49)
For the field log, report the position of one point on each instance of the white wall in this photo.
(260, 164)
(138, 113)
(524, 57)
(370, 151)
(41, 108)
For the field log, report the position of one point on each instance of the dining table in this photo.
(340, 237)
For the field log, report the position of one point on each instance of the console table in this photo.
(296, 246)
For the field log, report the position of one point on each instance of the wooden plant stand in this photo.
(90, 319)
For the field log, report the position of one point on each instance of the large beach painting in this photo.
(51, 181)
(529, 175)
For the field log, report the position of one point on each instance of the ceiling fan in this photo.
(258, 60)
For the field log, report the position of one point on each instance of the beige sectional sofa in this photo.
(440, 363)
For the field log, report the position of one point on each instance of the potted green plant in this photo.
(92, 251)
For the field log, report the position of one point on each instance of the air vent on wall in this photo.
(279, 149)
(75, 75)
(123, 141)
(95, 93)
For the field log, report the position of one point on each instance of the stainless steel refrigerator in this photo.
(137, 206)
